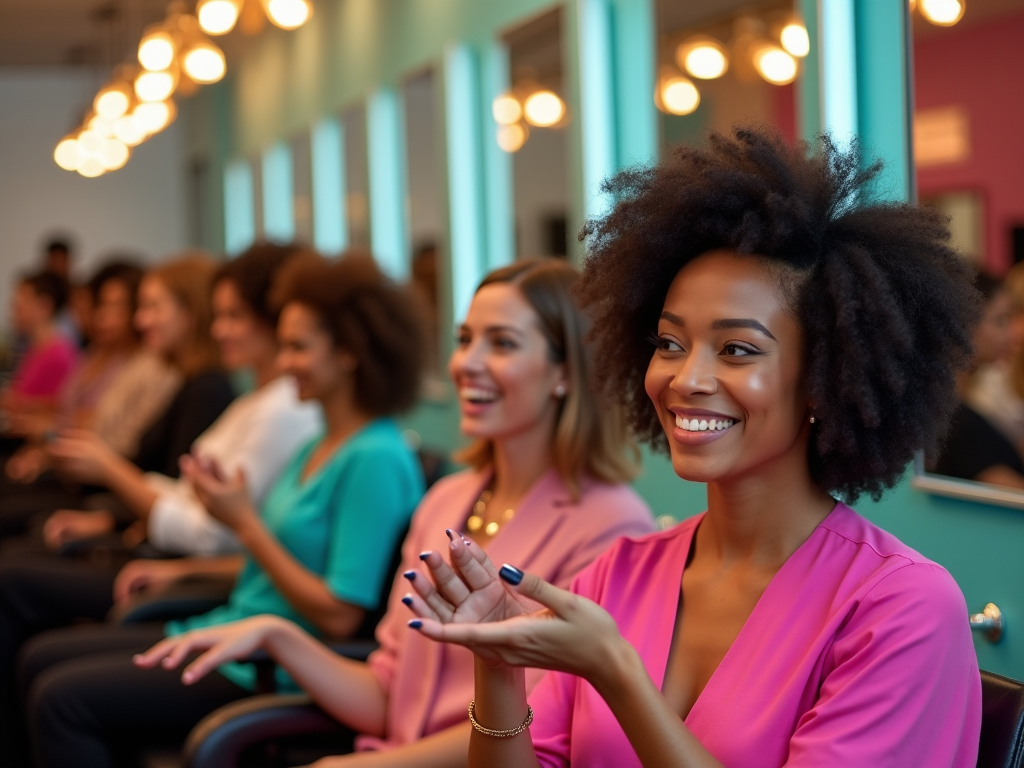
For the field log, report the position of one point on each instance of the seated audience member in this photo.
(790, 340)
(975, 448)
(318, 551)
(546, 485)
(174, 318)
(50, 357)
(113, 341)
(257, 433)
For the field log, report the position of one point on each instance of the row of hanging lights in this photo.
(174, 55)
(702, 57)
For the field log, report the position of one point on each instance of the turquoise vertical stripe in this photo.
(389, 217)
(635, 79)
(597, 110)
(239, 207)
(839, 68)
(465, 178)
(808, 86)
(884, 108)
(497, 163)
(278, 193)
(330, 226)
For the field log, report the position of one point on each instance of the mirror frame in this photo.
(965, 490)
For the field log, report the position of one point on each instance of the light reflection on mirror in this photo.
(968, 167)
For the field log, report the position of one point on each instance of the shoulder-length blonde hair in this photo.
(590, 437)
(189, 279)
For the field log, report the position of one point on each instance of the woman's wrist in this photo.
(619, 664)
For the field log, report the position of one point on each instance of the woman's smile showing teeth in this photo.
(478, 395)
(696, 428)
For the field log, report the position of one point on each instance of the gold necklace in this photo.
(476, 520)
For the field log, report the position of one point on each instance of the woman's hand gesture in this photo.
(225, 498)
(510, 618)
(82, 456)
(227, 642)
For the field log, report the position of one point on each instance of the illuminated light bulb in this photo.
(155, 116)
(218, 17)
(101, 126)
(289, 14)
(512, 137)
(944, 13)
(91, 142)
(543, 109)
(113, 101)
(113, 154)
(702, 57)
(795, 40)
(155, 86)
(679, 96)
(129, 130)
(775, 65)
(157, 49)
(68, 155)
(91, 167)
(204, 62)
(506, 109)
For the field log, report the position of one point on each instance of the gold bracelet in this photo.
(506, 734)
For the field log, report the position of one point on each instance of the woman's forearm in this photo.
(500, 704)
(227, 565)
(128, 483)
(345, 689)
(304, 590)
(657, 733)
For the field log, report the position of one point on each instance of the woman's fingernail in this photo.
(451, 536)
(511, 574)
(407, 600)
(424, 555)
(410, 575)
(187, 677)
(415, 624)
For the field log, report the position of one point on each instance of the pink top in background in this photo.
(44, 369)
(428, 684)
(858, 654)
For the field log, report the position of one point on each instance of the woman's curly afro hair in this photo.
(885, 303)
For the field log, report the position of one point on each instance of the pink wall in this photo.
(980, 68)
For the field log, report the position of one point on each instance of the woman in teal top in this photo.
(317, 552)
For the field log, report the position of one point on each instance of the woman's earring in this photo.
(812, 419)
(560, 391)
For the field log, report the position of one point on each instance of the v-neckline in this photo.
(744, 630)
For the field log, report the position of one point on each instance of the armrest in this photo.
(221, 737)
(179, 600)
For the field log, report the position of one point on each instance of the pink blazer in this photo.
(429, 684)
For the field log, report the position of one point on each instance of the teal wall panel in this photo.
(277, 177)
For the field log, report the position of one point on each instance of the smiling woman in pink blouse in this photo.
(791, 343)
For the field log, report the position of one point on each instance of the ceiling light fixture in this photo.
(218, 17)
(702, 57)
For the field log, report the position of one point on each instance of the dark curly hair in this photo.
(368, 315)
(886, 305)
(253, 273)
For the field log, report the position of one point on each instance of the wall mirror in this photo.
(533, 116)
(968, 166)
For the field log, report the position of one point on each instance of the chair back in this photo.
(1002, 722)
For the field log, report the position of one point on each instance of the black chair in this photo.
(1002, 722)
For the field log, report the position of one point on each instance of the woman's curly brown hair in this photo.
(368, 315)
(885, 303)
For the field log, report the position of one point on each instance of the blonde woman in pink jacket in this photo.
(546, 488)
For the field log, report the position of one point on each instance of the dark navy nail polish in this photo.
(511, 574)
(407, 600)
(451, 536)
(415, 624)
(410, 575)
(424, 555)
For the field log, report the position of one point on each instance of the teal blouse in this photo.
(342, 523)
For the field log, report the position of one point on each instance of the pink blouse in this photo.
(858, 653)
(429, 685)
(44, 369)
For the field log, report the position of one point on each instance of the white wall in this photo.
(140, 208)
